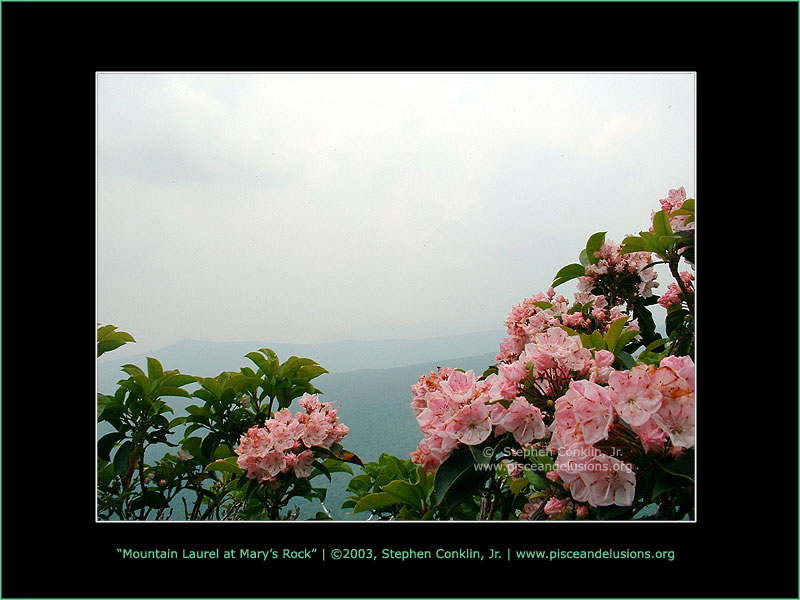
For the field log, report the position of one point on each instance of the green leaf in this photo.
(171, 391)
(176, 421)
(252, 487)
(668, 243)
(122, 459)
(517, 485)
(322, 469)
(204, 395)
(647, 326)
(154, 499)
(457, 479)
(404, 492)
(423, 477)
(143, 382)
(273, 358)
(374, 502)
(192, 445)
(293, 364)
(332, 466)
(624, 338)
(262, 362)
(200, 411)
(626, 359)
(675, 319)
(481, 453)
(489, 371)
(396, 466)
(614, 330)
(209, 444)
(104, 331)
(593, 245)
(108, 345)
(683, 466)
(583, 258)
(228, 396)
(598, 341)
(586, 340)
(538, 481)
(630, 244)
(659, 343)
(661, 224)
(223, 451)
(652, 243)
(212, 385)
(360, 484)
(108, 339)
(308, 372)
(178, 380)
(132, 370)
(199, 424)
(106, 443)
(227, 465)
(569, 272)
(154, 369)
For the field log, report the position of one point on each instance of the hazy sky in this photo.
(302, 207)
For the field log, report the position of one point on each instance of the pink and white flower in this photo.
(633, 396)
(676, 419)
(592, 409)
(302, 463)
(471, 425)
(523, 420)
(608, 481)
(651, 436)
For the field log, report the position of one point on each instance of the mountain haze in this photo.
(209, 359)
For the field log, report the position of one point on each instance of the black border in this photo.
(745, 55)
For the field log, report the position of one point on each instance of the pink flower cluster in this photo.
(528, 318)
(533, 315)
(451, 408)
(646, 409)
(674, 201)
(554, 357)
(612, 264)
(673, 291)
(454, 407)
(286, 442)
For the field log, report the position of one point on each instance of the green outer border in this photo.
(798, 181)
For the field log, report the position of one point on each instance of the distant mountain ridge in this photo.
(208, 359)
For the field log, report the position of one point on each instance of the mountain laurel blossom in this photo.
(286, 442)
